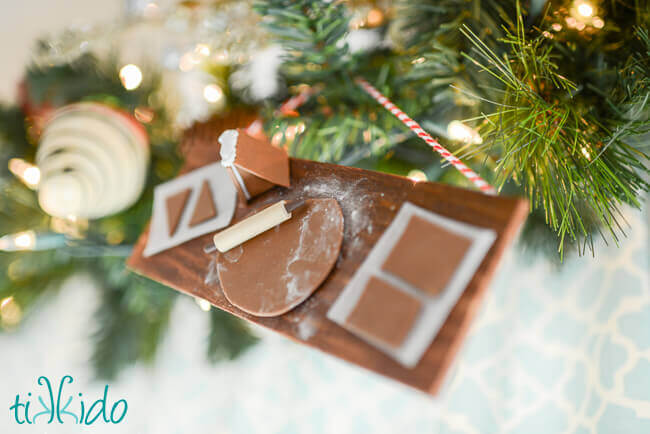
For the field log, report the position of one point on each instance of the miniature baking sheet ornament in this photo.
(189, 206)
(403, 292)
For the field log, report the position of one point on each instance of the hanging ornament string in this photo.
(293, 103)
(479, 182)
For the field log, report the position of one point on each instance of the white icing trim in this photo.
(228, 152)
(228, 140)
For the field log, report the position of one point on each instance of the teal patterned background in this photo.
(552, 351)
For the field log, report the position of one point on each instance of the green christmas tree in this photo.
(553, 97)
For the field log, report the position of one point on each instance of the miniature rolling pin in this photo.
(253, 226)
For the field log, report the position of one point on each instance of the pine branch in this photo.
(341, 121)
(560, 119)
(427, 22)
(131, 320)
(13, 136)
(434, 44)
(29, 276)
(563, 156)
(229, 337)
(312, 33)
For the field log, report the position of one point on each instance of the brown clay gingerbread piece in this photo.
(279, 269)
(175, 206)
(426, 255)
(384, 312)
(205, 208)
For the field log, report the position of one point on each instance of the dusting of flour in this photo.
(309, 249)
(356, 206)
(306, 329)
(212, 276)
(355, 203)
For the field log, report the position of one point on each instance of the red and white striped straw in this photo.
(285, 109)
(479, 182)
(296, 101)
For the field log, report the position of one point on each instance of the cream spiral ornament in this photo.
(93, 161)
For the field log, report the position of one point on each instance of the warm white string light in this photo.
(202, 49)
(10, 312)
(212, 93)
(5, 301)
(25, 240)
(131, 76)
(585, 9)
(417, 175)
(203, 304)
(30, 240)
(457, 130)
(583, 15)
(29, 174)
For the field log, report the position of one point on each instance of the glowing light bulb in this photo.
(202, 49)
(367, 136)
(29, 174)
(300, 127)
(222, 56)
(375, 17)
(417, 175)
(32, 175)
(203, 304)
(25, 240)
(5, 302)
(293, 130)
(20, 241)
(276, 140)
(457, 130)
(212, 93)
(131, 76)
(10, 312)
(585, 9)
(186, 62)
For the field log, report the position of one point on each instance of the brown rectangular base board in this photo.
(369, 201)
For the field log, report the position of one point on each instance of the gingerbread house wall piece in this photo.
(194, 204)
(255, 165)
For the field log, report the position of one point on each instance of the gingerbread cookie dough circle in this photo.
(277, 270)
